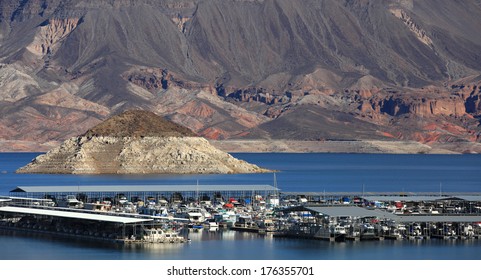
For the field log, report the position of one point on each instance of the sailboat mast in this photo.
(197, 191)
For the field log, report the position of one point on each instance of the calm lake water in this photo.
(297, 172)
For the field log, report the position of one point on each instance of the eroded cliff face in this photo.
(420, 104)
(50, 34)
(411, 24)
(147, 155)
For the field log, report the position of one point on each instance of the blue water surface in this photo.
(296, 172)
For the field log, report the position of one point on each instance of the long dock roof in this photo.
(343, 211)
(73, 215)
(438, 218)
(471, 198)
(410, 198)
(419, 198)
(355, 211)
(351, 211)
(142, 188)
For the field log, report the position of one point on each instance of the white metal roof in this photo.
(410, 198)
(403, 194)
(73, 215)
(142, 188)
(354, 211)
(468, 197)
(418, 198)
(438, 218)
(27, 199)
(350, 211)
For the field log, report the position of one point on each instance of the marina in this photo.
(272, 235)
(124, 213)
(161, 213)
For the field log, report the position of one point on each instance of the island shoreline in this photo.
(294, 146)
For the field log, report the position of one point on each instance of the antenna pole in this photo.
(197, 191)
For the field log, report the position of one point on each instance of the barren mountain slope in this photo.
(351, 69)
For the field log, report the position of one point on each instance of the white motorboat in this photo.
(70, 201)
(157, 235)
(194, 215)
(211, 224)
(337, 230)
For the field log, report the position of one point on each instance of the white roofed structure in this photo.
(73, 215)
(142, 188)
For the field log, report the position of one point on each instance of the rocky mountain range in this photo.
(311, 70)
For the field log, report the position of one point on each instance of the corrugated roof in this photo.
(355, 211)
(29, 199)
(411, 198)
(438, 218)
(418, 198)
(350, 211)
(73, 215)
(143, 188)
(469, 197)
(404, 194)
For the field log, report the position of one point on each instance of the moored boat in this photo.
(157, 235)
(245, 223)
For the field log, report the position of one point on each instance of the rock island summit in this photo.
(138, 142)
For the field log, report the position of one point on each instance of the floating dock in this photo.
(123, 213)
(360, 224)
(84, 224)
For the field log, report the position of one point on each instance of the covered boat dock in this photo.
(378, 224)
(87, 224)
(335, 222)
(171, 193)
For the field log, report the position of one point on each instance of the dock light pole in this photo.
(197, 192)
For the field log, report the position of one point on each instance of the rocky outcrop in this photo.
(471, 93)
(423, 106)
(50, 34)
(409, 22)
(138, 142)
(147, 155)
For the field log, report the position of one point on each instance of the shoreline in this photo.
(353, 147)
(293, 146)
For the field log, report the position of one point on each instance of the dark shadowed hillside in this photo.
(230, 69)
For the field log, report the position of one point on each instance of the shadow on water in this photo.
(232, 245)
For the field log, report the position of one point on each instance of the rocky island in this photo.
(138, 142)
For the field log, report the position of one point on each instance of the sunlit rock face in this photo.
(138, 142)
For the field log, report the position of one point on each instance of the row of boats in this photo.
(264, 215)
